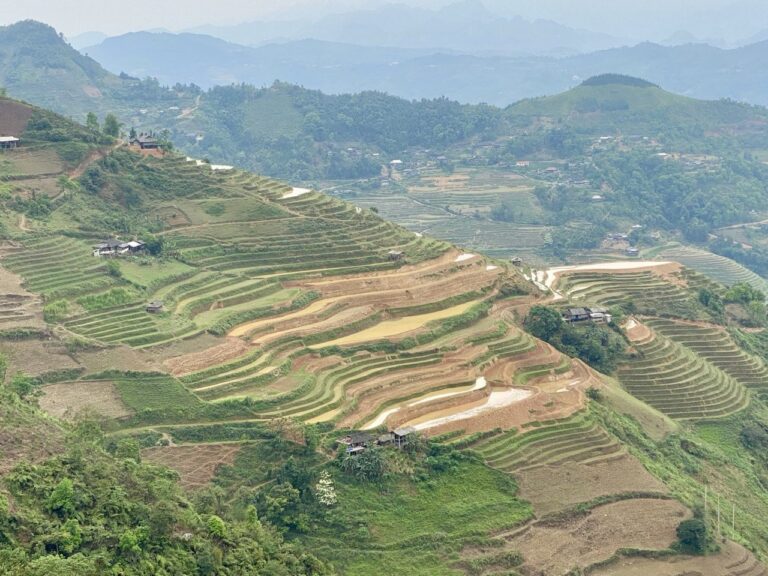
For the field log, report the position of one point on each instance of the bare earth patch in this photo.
(118, 358)
(553, 550)
(227, 350)
(552, 489)
(196, 464)
(733, 559)
(636, 331)
(35, 357)
(70, 399)
(13, 117)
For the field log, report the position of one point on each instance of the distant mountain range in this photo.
(696, 70)
(465, 26)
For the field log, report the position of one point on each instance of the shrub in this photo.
(55, 311)
(693, 535)
(594, 394)
(113, 269)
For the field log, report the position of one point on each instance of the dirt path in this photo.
(23, 223)
(93, 156)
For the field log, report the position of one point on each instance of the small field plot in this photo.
(26, 161)
(225, 210)
(718, 268)
(556, 488)
(153, 273)
(196, 464)
(72, 399)
(555, 549)
(37, 357)
(155, 393)
(399, 326)
(731, 560)
(17, 306)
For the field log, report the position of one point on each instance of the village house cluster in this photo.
(358, 442)
(113, 247)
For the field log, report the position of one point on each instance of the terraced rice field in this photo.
(718, 268)
(716, 345)
(328, 327)
(680, 383)
(575, 439)
(616, 289)
(57, 266)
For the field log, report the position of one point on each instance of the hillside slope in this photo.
(283, 320)
(37, 65)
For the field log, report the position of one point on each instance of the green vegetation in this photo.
(601, 346)
(89, 512)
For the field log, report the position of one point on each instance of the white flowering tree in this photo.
(325, 490)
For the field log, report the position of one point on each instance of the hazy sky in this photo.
(648, 19)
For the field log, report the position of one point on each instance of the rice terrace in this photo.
(481, 360)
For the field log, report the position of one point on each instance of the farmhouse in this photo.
(395, 255)
(600, 315)
(113, 247)
(355, 442)
(145, 142)
(155, 307)
(402, 435)
(576, 314)
(596, 315)
(8, 142)
(633, 251)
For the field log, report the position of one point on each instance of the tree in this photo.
(62, 499)
(92, 122)
(543, 322)
(325, 490)
(692, 534)
(368, 466)
(128, 448)
(132, 134)
(113, 269)
(216, 527)
(111, 126)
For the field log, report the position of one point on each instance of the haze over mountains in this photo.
(696, 70)
(466, 26)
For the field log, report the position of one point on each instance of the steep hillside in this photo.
(262, 323)
(37, 65)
